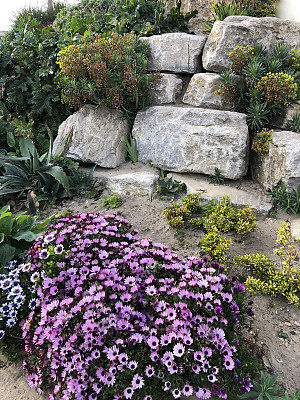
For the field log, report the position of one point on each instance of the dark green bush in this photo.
(27, 68)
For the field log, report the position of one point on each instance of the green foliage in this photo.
(27, 92)
(216, 178)
(261, 141)
(269, 278)
(255, 8)
(294, 124)
(216, 246)
(169, 187)
(109, 72)
(268, 83)
(265, 389)
(111, 200)
(142, 17)
(17, 233)
(288, 201)
(41, 174)
(214, 215)
(294, 59)
(225, 8)
(131, 148)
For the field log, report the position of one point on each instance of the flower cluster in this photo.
(108, 71)
(121, 318)
(278, 88)
(261, 142)
(240, 57)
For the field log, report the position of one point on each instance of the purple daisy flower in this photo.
(187, 390)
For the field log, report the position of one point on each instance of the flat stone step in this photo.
(128, 179)
(252, 196)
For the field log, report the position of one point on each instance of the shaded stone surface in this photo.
(175, 52)
(166, 89)
(201, 92)
(188, 139)
(97, 136)
(242, 31)
(281, 163)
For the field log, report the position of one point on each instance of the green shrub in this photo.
(41, 174)
(269, 278)
(27, 68)
(261, 141)
(294, 59)
(109, 72)
(17, 233)
(169, 187)
(288, 201)
(111, 200)
(142, 17)
(214, 215)
(293, 124)
(267, 84)
(216, 246)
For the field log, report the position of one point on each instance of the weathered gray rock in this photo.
(175, 52)
(201, 92)
(242, 31)
(281, 163)
(97, 136)
(295, 228)
(204, 8)
(281, 121)
(195, 183)
(166, 89)
(187, 139)
(128, 179)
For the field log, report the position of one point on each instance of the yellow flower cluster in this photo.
(240, 57)
(278, 88)
(260, 143)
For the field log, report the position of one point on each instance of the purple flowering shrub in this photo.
(122, 318)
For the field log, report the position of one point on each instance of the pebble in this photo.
(287, 324)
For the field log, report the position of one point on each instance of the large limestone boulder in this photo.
(201, 92)
(166, 89)
(97, 136)
(243, 31)
(184, 139)
(281, 163)
(175, 52)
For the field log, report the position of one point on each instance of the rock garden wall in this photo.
(187, 127)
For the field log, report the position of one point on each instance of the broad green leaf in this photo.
(60, 176)
(6, 224)
(27, 236)
(7, 253)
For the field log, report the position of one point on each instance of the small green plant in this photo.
(282, 335)
(265, 389)
(294, 59)
(216, 246)
(111, 200)
(131, 148)
(225, 8)
(269, 278)
(33, 172)
(216, 178)
(17, 233)
(293, 124)
(262, 140)
(288, 201)
(169, 187)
